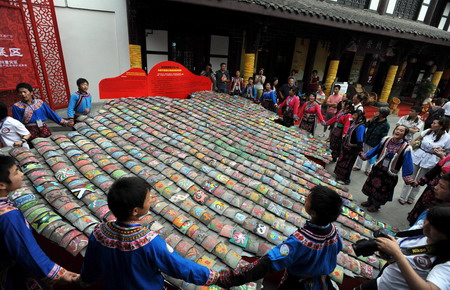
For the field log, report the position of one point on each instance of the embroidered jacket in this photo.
(236, 84)
(355, 136)
(311, 109)
(399, 156)
(292, 103)
(310, 252)
(342, 119)
(78, 104)
(38, 110)
(249, 91)
(269, 95)
(131, 257)
(18, 248)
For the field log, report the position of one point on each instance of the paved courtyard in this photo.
(393, 212)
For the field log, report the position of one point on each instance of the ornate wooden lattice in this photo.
(45, 45)
(408, 9)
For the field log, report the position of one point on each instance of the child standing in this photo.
(80, 102)
(308, 255)
(236, 84)
(249, 91)
(12, 132)
(126, 255)
(23, 265)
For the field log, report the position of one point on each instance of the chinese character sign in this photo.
(173, 80)
(167, 78)
(16, 63)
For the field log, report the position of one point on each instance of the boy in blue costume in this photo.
(126, 255)
(80, 101)
(23, 265)
(308, 255)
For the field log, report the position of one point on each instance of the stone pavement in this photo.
(392, 213)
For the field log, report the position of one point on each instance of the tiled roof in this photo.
(344, 17)
(220, 167)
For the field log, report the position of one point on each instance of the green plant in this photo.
(424, 89)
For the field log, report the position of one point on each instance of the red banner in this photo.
(166, 79)
(132, 83)
(173, 80)
(16, 64)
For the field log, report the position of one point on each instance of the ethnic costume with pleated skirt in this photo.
(342, 121)
(309, 114)
(380, 185)
(308, 255)
(23, 264)
(130, 256)
(428, 198)
(289, 108)
(31, 115)
(352, 145)
(36, 132)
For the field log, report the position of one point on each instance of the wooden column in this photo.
(309, 66)
(335, 55)
(249, 65)
(441, 61)
(436, 78)
(430, 12)
(331, 75)
(387, 87)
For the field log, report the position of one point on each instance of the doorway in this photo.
(191, 50)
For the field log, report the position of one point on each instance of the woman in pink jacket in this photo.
(342, 121)
(292, 102)
(310, 114)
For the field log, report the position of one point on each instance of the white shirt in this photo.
(446, 107)
(424, 156)
(259, 83)
(12, 131)
(410, 124)
(358, 107)
(439, 275)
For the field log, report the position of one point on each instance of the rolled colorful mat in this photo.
(44, 220)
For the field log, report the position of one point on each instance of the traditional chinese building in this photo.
(388, 46)
(385, 45)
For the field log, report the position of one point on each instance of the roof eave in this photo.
(300, 16)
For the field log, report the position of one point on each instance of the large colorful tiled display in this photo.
(231, 182)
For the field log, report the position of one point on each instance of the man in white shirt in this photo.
(413, 122)
(12, 132)
(446, 107)
(357, 105)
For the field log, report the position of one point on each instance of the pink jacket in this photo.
(292, 102)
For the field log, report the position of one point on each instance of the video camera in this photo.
(367, 247)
